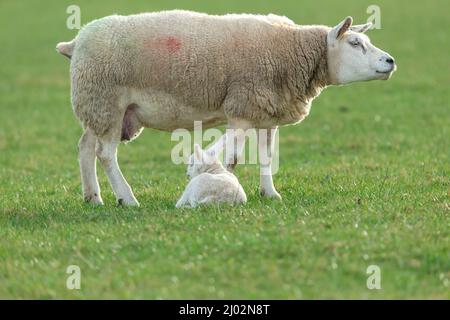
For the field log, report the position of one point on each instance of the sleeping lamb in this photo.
(210, 182)
(164, 70)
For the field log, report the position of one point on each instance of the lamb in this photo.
(164, 70)
(210, 182)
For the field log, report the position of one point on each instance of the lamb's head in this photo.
(201, 161)
(351, 56)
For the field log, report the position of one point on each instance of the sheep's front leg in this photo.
(234, 145)
(107, 154)
(266, 142)
(87, 160)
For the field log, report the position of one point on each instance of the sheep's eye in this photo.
(354, 43)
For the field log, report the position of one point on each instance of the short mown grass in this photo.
(365, 178)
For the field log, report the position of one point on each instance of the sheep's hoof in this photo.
(93, 199)
(127, 203)
(273, 194)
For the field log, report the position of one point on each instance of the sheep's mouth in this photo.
(391, 70)
(385, 72)
(385, 75)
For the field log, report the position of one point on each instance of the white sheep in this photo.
(165, 70)
(210, 182)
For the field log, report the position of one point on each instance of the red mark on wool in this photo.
(172, 44)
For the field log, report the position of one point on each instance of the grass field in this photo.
(365, 178)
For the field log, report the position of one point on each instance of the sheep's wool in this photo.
(180, 66)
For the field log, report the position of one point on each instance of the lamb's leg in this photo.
(106, 149)
(87, 159)
(266, 142)
(182, 201)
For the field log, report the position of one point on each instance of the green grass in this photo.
(365, 178)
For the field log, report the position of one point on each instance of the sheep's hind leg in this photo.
(266, 144)
(106, 149)
(87, 160)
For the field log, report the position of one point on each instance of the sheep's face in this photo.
(200, 161)
(351, 56)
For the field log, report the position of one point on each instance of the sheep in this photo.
(164, 70)
(210, 182)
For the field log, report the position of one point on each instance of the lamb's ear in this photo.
(198, 153)
(341, 28)
(361, 28)
(211, 153)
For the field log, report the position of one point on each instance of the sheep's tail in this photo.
(66, 48)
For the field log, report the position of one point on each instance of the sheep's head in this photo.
(351, 56)
(200, 161)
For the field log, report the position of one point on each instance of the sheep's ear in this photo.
(361, 28)
(198, 153)
(341, 28)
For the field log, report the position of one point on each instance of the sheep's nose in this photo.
(389, 60)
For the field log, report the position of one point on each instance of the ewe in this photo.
(164, 70)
